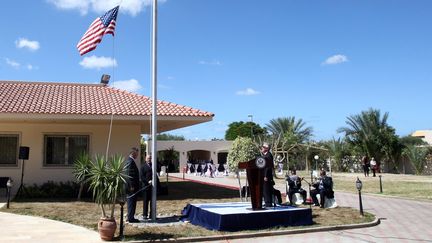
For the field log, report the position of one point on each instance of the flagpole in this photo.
(154, 107)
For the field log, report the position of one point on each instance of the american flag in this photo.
(102, 25)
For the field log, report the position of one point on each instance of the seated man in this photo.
(278, 196)
(294, 183)
(324, 187)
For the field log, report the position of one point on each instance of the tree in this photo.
(410, 140)
(370, 135)
(242, 129)
(167, 157)
(169, 137)
(292, 130)
(340, 153)
(287, 133)
(417, 156)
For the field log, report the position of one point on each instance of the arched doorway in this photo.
(198, 155)
(169, 158)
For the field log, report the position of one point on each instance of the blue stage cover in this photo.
(238, 216)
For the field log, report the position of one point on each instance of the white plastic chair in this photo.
(328, 202)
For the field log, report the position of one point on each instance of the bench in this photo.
(3, 183)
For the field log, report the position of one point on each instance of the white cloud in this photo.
(212, 63)
(31, 67)
(81, 5)
(12, 63)
(248, 91)
(132, 7)
(131, 85)
(95, 62)
(163, 86)
(25, 43)
(335, 59)
(18, 65)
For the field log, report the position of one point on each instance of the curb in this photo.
(376, 222)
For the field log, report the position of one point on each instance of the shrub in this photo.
(243, 149)
(52, 190)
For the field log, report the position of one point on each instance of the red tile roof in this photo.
(82, 99)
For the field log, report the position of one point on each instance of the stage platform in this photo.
(237, 216)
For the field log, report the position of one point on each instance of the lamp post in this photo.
(381, 191)
(121, 200)
(9, 185)
(359, 186)
(316, 157)
(251, 121)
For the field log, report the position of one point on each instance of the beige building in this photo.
(197, 150)
(58, 121)
(426, 135)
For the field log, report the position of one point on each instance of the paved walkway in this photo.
(21, 228)
(401, 220)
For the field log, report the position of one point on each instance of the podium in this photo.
(255, 176)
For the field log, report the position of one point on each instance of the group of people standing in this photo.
(369, 164)
(133, 188)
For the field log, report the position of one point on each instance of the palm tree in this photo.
(339, 150)
(417, 156)
(287, 133)
(370, 134)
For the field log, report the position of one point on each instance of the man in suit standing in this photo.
(132, 185)
(268, 175)
(146, 179)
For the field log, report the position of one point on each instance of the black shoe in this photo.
(134, 221)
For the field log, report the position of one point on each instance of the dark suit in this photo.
(132, 186)
(294, 183)
(268, 185)
(146, 176)
(324, 187)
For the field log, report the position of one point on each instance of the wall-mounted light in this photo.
(105, 79)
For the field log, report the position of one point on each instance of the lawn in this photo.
(407, 186)
(180, 194)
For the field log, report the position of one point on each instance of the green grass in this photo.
(180, 194)
(406, 186)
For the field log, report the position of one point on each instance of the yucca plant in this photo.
(107, 179)
(81, 171)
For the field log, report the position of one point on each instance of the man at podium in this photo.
(268, 175)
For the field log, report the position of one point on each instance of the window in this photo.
(9, 149)
(63, 150)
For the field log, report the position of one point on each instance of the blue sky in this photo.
(319, 60)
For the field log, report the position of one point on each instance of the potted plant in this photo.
(106, 180)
